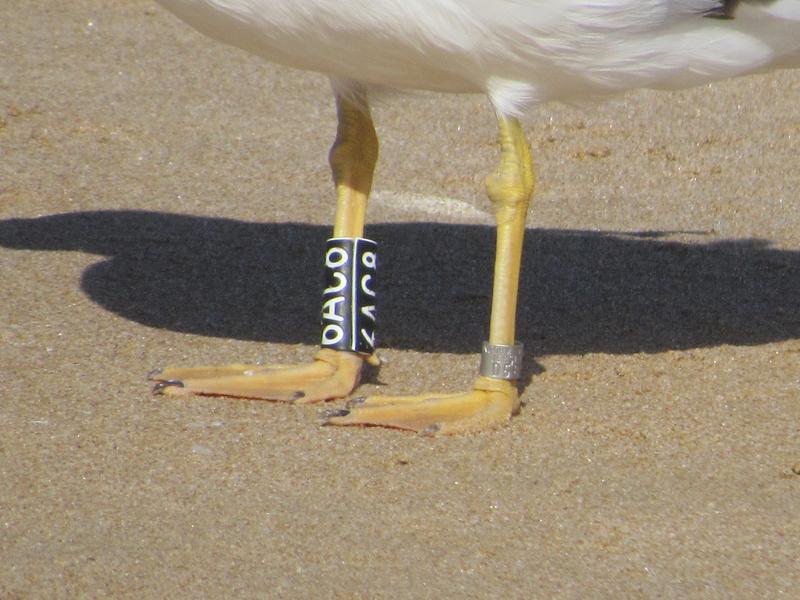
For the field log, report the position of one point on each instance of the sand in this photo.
(164, 200)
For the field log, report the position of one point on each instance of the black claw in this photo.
(432, 429)
(158, 388)
(154, 373)
(356, 401)
(334, 412)
(297, 396)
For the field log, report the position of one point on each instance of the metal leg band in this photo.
(501, 362)
(348, 302)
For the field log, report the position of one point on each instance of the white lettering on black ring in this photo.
(348, 301)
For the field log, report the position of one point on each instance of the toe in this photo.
(485, 407)
(168, 387)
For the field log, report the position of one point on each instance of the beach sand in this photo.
(164, 200)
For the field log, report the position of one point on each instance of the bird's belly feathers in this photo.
(373, 42)
(534, 49)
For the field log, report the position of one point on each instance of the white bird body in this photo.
(518, 52)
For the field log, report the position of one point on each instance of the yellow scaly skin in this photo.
(490, 402)
(334, 374)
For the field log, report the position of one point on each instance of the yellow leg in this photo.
(510, 188)
(333, 374)
(491, 402)
(352, 158)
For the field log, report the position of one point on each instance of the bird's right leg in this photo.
(334, 372)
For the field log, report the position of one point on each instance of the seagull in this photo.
(519, 53)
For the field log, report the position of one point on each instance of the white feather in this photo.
(519, 52)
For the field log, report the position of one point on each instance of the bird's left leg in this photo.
(334, 373)
(493, 397)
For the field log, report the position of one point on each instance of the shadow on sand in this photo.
(581, 291)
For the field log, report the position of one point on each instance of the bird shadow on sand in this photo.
(581, 291)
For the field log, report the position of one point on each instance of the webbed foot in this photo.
(333, 374)
(489, 404)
